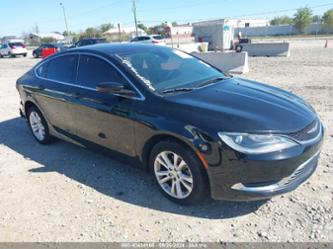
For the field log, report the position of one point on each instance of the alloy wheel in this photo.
(37, 126)
(173, 175)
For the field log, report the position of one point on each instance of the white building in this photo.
(129, 31)
(242, 23)
(182, 30)
(55, 36)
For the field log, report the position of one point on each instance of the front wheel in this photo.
(38, 126)
(178, 173)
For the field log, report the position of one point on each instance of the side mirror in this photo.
(115, 88)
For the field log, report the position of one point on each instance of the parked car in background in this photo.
(148, 39)
(89, 41)
(198, 131)
(38, 52)
(13, 48)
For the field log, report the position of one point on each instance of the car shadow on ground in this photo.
(108, 176)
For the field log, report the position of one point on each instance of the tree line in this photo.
(303, 18)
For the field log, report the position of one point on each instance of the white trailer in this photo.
(217, 33)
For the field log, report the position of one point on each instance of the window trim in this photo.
(141, 97)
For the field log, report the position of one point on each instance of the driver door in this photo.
(101, 118)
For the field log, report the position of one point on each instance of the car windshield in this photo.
(164, 68)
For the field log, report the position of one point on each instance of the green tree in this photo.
(280, 20)
(47, 40)
(70, 33)
(328, 18)
(105, 27)
(302, 19)
(144, 27)
(92, 32)
(174, 24)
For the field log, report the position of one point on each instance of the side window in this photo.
(62, 68)
(85, 43)
(93, 71)
(42, 69)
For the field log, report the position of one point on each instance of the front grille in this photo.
(308, 133)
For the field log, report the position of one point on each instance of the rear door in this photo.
(101, 118)
(52, 91)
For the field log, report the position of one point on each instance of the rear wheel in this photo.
(24, 55)
(38, 126)
(178, 173)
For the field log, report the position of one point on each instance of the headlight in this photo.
(256, 144)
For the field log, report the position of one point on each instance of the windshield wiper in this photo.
(213, 80)
(173, 90)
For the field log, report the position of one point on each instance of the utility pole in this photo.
(135, 20)
(66, 24)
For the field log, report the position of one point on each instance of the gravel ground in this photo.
(64, 193)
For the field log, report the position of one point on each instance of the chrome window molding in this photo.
(141, 97)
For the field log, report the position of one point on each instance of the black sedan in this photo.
(198, 131)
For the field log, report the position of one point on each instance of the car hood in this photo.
(241, 105)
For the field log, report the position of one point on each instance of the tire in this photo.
(192, 171)
(239, 48)
(24, 55)
(1, 56)
(38, 126)
(11, 55)
(34, 55)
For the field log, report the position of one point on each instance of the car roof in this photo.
(113, 48)
(84, 39)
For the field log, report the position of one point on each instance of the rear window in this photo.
(158, 37)
(16, 44)
(143, 38)
(101, 41)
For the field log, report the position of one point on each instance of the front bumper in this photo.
(241, 178)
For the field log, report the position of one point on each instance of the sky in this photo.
(18, 16)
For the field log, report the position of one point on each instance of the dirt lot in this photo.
(64, 193)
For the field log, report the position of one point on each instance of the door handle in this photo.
(76, 95)
(40, 87)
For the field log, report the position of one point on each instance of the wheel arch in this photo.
(150, 143)
(28, 104)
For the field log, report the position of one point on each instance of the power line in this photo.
(79, 15)
(199, 3)
(240, 16)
